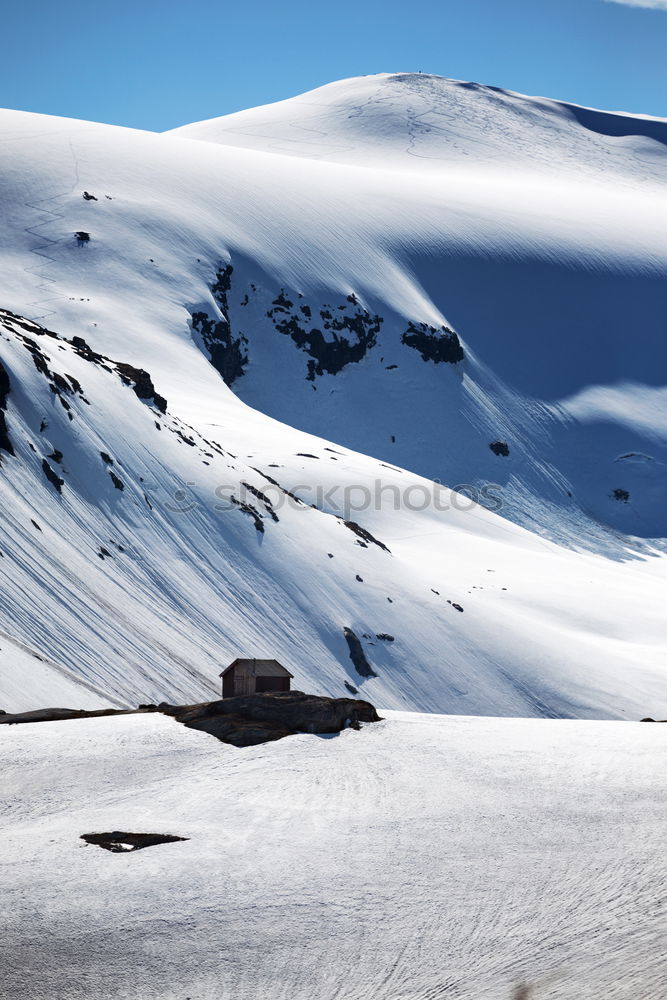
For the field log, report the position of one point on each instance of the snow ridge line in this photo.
(41, 247)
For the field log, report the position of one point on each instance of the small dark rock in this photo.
(499, 448)
(364, 534)
(52, 476)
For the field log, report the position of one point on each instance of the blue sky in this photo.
(156, 65)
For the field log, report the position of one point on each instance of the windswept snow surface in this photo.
(423, 857)
(318, 267)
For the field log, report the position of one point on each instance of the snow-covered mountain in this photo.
(340, 298)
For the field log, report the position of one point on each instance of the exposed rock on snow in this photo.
(119, 842)
(227, 353)
(58, 715)
(330, 352)
(52, 476)
(244, 721)
(5, 443)
(261, 718)
(439, 346)
(142, 384)
(500, 448)
(365, 535)
(357, 654)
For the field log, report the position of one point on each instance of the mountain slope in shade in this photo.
(563, 329)
(235, 327)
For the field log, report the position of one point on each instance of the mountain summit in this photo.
(415, 121)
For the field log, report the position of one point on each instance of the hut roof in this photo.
(261, 668)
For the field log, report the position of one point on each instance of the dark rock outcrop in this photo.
(352, 331)
(64, 386)
(364, 535)
(243, 722)
(5, 443)
(52, 476)
(435, 345)
(260, 718)
(119, 842)
(357, 655)
(227, 353)
(59, 715)
(142, 384)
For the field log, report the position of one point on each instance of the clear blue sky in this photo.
(155, 65)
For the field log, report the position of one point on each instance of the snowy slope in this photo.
(423, 857)
(146, 586)
(387, 118)
(533, 206)
(552, 276)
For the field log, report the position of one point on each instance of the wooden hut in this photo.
(254, 677)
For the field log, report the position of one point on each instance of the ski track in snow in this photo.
(39, 250)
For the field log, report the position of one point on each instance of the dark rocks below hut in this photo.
(243, 722)
(261, 718)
